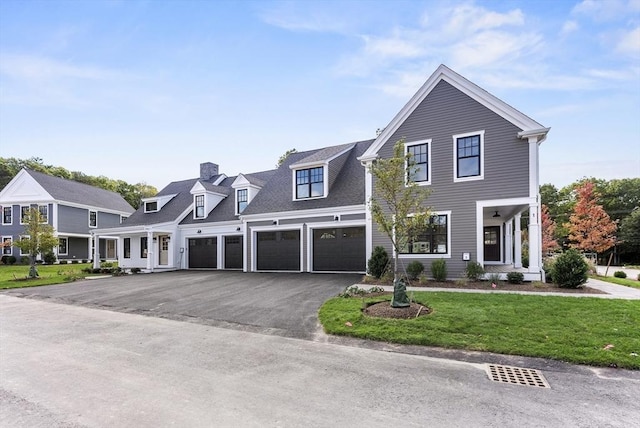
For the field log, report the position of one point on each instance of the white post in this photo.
(517, 261)
(150, 251)
(508, 242)
(535, 238)
(96, 250)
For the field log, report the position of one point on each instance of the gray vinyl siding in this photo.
(15, 228)
(348, 217)
(77, 248)
(444, 113)
(72, 219)
(76, 220)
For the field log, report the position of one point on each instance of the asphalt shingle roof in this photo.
(65, 190)
(323, 155)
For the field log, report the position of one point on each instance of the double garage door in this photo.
(203, 253)
(334, 249)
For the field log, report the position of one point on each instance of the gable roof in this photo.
(322, 155)
(171, 210)
(347, 189)
(528, 126)
(64, 190)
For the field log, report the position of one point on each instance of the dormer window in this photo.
(310, 183)
(199, 206)
(242, 200)
(151, 206)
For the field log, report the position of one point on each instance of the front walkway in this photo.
(613, 291)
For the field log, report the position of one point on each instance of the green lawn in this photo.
(569, 329)
(629, 282)
(13, 276)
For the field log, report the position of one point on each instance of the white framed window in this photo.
(24, 238)
(7, 245)
(199, 207)
(242, 200)
(126, 248)
(310, 183)
(44, 212)
(151, 206)
(93, 218)
(420, 170)
(63, 246)
(24, 213)
(123, 218)
(468, 156)
(7, 215)
(431, 241)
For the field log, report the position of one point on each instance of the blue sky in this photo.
(145, 91)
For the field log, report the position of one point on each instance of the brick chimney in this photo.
(208, 170)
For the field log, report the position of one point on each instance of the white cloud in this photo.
(469, 18)
(37, 68)
(394, 46)
(629, 43)
(569, 27)
(491, 47)
(286, 16)
(600, 10)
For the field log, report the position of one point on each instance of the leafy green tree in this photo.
(630, 232)
(398, 207)
(284, 157)
(39, 238)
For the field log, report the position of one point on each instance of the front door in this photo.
(492, 244)
(164, 250)
(111, 249)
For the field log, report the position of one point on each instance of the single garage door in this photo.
(203, 253)
(278, 250)
(339, 249)
(233, 252)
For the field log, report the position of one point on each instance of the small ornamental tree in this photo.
(38, 238)
(398, 207)
(590, 227)
(549, 243)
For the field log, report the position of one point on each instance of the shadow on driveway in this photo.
(284, 304)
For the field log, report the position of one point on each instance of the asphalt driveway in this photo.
(275, 303)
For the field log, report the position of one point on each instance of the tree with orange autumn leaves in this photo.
(549, 243)
(590, 227)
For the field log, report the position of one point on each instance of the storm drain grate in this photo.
(516, 375)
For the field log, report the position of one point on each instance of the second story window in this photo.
(199, 213)
(93, 219)
(24, 213)
(468, 156)
(418, 170)
(310, 183)
(243, 200)
(44, 213)
(7, 215)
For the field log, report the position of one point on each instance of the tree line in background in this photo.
(593, 215)
(132, 193)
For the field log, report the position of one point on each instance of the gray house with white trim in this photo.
(477, 154)
(73, 209)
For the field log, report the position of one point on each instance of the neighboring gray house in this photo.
(73, 209)
(478, 155)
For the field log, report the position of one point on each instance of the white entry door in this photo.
(164, 250)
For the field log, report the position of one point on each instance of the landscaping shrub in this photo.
(494, 278)
(474, 271)
(439, 270)
(49, 257)
(63, 262)
(570, 270)
(525, 261)
(515, 277)
(378, 262)
(547, 266)
(619, 274)
(135, 270)
(414, 269)
(638, 277)
(25, 260)
(4, 260)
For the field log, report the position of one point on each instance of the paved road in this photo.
(283, 304)
(74, 366)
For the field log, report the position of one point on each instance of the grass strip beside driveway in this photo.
(15, 276)
(575, 330)
(627, 282)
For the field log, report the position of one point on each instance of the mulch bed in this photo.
(504, 286)
(384, 310)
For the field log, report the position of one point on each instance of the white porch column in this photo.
(508, 242)
(517, 250)
(535, 238)
(150, 252)
(96, 250)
